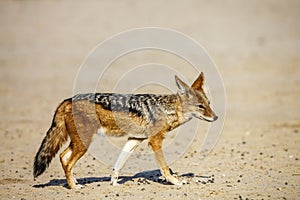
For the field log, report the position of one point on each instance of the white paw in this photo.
(174, 181)
(178, 183)
(114, 182)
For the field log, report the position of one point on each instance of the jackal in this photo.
(137, 116)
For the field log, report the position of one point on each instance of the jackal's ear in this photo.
(198, 83)
(182, 86)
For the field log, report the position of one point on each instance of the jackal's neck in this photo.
(174, 111)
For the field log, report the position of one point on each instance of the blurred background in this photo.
(254, 44)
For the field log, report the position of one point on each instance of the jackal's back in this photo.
(142, 111)
(147, 106)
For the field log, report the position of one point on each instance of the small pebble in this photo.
(296, 131)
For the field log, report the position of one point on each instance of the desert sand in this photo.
(255, 45)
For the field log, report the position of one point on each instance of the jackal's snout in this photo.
(214, 118)
(208, 116)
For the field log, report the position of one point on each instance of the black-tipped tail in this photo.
(42, 159)
(54, 139)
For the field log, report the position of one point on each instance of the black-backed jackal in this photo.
(138, 116)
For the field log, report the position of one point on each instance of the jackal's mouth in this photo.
(208, 119)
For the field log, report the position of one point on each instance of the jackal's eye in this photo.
(201, 107)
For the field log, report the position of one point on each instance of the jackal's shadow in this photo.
(81, 181)
(144, 177)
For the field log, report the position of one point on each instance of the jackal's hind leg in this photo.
(68, 159)
(155, 142)
(129, 147)
(64, 158)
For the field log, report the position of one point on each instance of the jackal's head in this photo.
(194, 101)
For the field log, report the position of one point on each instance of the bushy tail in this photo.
(56, 136)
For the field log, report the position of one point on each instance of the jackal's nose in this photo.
(215, 117)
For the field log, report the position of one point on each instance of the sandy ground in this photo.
(256, 46)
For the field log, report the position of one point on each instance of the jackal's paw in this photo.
(175, 181)
(74, 180)
(114, 182)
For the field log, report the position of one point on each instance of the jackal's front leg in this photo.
(127, 150)
(155, 142)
